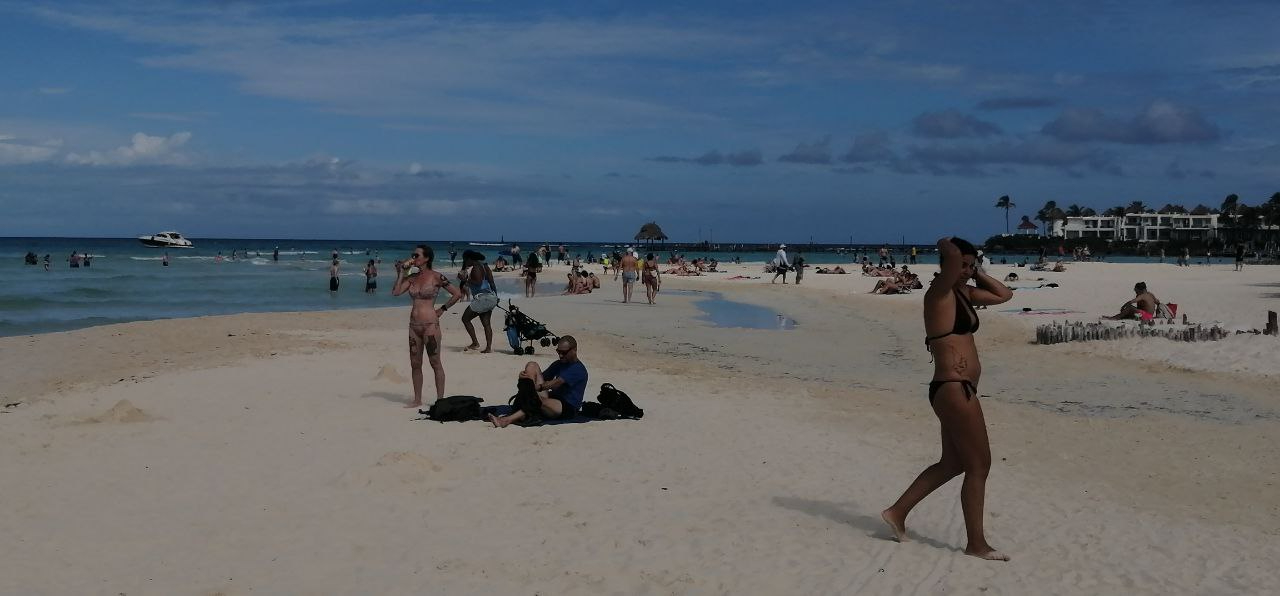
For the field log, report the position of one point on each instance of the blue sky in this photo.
(747, 121)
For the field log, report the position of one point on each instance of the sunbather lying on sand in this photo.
(837, 270)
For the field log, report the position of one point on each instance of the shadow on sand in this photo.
(397, 398)
(847, 513)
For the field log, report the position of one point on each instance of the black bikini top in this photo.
(966, 318)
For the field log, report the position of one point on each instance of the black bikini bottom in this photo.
(969, 388)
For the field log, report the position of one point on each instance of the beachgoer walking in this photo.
(652, 278)
(913, 255)
(780, 264)
(453, 256)
(1239, 257)
(553, 394)
(799, 265)
(370, 277)
(416, 277)
(484, 298)
(629, 275)
(950, 322)
(333, 276)
(530, 276)
(563, 254)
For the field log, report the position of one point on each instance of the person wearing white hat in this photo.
(780, 264)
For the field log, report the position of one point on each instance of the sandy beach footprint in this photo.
(395, 470)
(124, 412)
(389, 373)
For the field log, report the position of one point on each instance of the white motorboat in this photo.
(166, 240)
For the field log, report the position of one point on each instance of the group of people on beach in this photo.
(556, 392)
(950, 321)
(892, 281)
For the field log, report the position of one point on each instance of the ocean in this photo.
(127, 282)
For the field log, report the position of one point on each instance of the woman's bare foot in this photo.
(987, 553)
(498, 422)
(471, 348)
(414, 404)
(896, 524)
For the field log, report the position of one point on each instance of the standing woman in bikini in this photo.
(950, 321)
(484, 297)
(416, 277)
(530, 276)
(651, 277)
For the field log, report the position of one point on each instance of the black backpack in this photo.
(455, 408)
(615, 399)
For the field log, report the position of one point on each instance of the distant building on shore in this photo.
(1155, 227)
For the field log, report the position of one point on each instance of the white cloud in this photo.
(144, 149)
(20, 153)
(363, 207)
(451, 206)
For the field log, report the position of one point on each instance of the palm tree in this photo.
(1088, 212)
(1230, 207)
(1116, 211)
(1006, 204)
(1055, 214)
(1136, 207)
(1043, 215)
(1075, 211)
(1230, 203)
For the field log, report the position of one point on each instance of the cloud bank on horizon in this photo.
(474, 120)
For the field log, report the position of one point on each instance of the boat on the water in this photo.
(166, 240)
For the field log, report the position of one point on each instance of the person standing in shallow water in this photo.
(950, 321)
(333, 276)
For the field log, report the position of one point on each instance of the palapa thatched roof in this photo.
(650, 231)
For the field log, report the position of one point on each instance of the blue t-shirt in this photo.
(575, 382)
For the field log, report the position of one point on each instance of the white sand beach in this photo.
(271, 453)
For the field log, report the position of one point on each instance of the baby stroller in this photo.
(522, 328)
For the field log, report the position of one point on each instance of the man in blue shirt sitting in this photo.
(555, 393)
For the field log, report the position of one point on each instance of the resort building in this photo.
(1142, 227)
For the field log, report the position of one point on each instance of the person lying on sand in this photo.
(837, 270)
(555, 393)
(887, 285)
(1142, 302)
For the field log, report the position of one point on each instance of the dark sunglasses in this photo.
(563, 352)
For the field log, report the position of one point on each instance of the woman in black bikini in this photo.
(530, 275)
(950, 322)
(424, 318)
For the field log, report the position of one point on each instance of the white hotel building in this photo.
(1142, 227)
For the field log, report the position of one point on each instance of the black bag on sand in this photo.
(455, 408)
(615, 399)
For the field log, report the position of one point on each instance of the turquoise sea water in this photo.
(126, 281)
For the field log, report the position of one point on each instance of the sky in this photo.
(581, 121)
